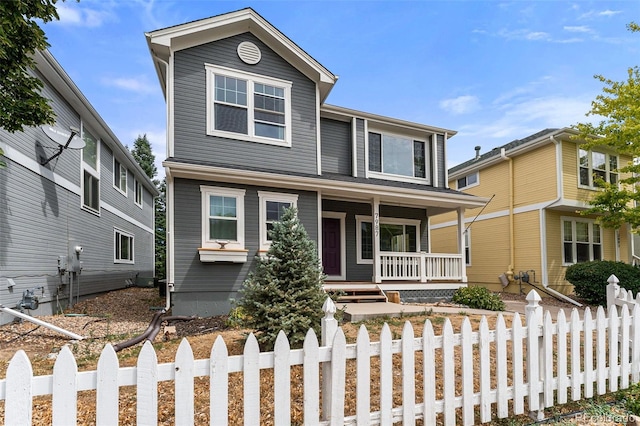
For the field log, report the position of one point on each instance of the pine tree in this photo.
(144, 156)
(285, 290)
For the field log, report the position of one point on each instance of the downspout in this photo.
(543, 227)
(168, 197)
(512, 250)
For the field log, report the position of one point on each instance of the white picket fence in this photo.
(454, 378)
(618, 297)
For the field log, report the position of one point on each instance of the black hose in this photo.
(155, 323)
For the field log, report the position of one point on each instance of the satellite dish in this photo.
(64, 138)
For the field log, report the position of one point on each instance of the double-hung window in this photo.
(90, 172)
(123, 247)
(223, 224)
(248, 106)
(119, 176)
(467, 246)
(399, 156)
(138, 193)
(396, 235)
(467, 181)
(582, 240)
(595, 164)
(272, 207)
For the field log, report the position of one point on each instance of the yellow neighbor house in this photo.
(531, 229)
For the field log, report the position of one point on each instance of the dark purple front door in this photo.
(331, 246)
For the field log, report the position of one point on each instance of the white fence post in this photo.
(329, 329)
(535, 358)
(613, 289)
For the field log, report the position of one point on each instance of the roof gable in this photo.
(163, 42)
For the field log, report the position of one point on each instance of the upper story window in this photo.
(247, 106)
(593, 164)
(138, 193)
(272, 206)
(468, 181)
(90, 171)
(119, 176)
(399, 156)
(582, 240)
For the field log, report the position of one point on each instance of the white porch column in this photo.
(461, 243)
(377, 276)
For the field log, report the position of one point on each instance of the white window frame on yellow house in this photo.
(594, 238)
(468, 181)
(589, 165)
(467, 246)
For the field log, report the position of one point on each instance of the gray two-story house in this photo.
(76, 210)
(249, 133)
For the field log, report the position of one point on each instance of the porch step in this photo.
(357, 295)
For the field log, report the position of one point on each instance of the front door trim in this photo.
(343, 244)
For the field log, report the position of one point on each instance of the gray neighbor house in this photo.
(249, 133)
(76, 210)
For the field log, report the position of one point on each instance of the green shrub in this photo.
(631, 398)
(478, 297)
(589, 279)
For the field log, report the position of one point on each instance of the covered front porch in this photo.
(385, 241)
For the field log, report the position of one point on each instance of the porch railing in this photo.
(423, 267)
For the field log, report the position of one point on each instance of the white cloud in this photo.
(75, 14)
(577, 29)
(595, 14)
(524, 35)
(461, 104)
(137, 85)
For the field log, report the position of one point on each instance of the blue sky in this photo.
(493, 71)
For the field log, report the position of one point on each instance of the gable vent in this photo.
(249, 53)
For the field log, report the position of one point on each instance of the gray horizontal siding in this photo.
(41, 221)
(207, 288)
(336, 146)
(191, 140)
(123, 202)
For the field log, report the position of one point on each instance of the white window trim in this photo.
(263, 197)
(574, 254)
(94, 172)
(138, 189)
(591, 185)
(399, 178)
(238, 194)
(476, 183)
(133, 244)
(126, 179)
(251, 78)
(343, 244)
(385, 221)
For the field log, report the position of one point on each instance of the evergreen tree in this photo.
(285, 290)
(144, 156)
(161, 229)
